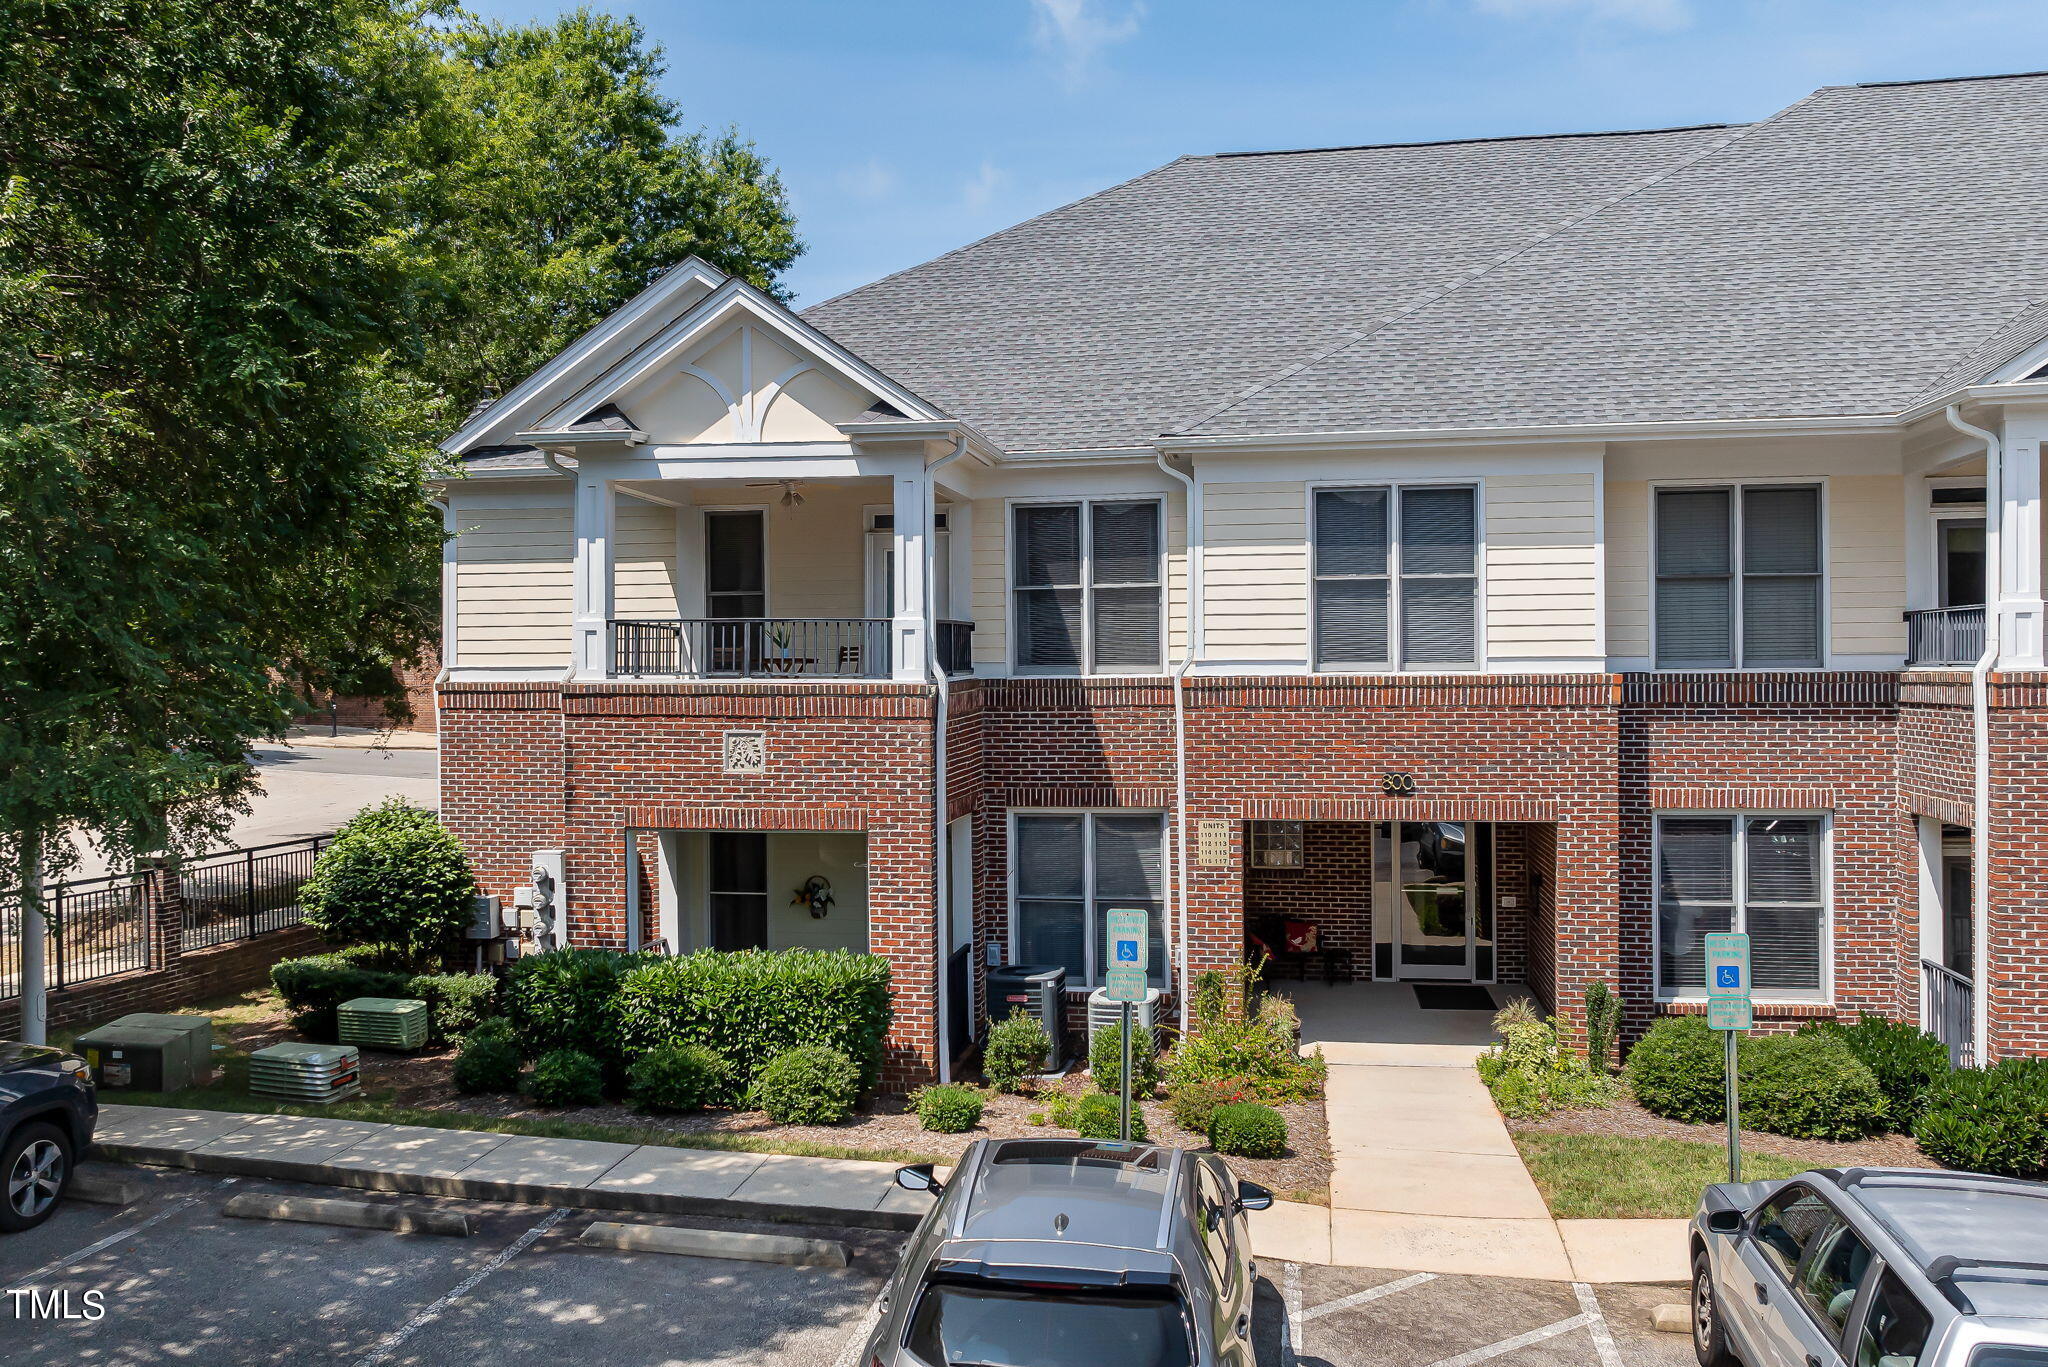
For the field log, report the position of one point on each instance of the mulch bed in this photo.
(1626, 1118)
(423, 1082)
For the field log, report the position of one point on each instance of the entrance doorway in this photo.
(1433, 900)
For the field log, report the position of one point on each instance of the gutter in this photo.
(942, 881)
(1980, 713)
(1180, 741)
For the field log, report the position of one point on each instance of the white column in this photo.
(632, 892)
(668, 891)
(596, 518)
(913, 509)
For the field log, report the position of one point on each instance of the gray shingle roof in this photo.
(1117, 317)
(1846, 256)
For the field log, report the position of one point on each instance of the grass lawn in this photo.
(1603, 1177)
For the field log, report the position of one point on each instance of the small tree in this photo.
(393, 876)
(1603, 1024)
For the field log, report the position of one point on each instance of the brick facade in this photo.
(1572, 768)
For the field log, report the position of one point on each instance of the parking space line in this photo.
(1290, 1343)
(849, 1356)
(1603, 1338)
(118, 1236)
(398, 1336)
(1371, 1293)
(1494, 1350)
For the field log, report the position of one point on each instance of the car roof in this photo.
(1983, 1241)
(1072, 1191)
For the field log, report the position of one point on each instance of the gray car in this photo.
(47, 1111)
(1876, 1267)
(1074, 1253)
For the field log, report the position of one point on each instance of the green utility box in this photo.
(137, 1057)
(316, 1073)
(198, 1033)
(396, 1023)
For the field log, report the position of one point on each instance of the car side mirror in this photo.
(1252, 1196)
(918, 1177)
(1725, 1221)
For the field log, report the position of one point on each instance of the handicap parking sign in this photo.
(1728, 977)
(1127, 951)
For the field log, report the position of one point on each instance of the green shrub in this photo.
(459, 1002)
(1210, 998)
(1990, 1120)
(569, 999)
(488, 1063)
(566, 1077)
(1262, 1049)
(949, 1110)
(1807, 1086)
(751, 1005)
(1675, 1071)
(1248, 1131)
(1060, 1105)
(393, 876)
(1603, 1025)
(1015, 1047)
(678, 1078)
(1097, 1116)
(1905, 1060)
(494, 1027)
(1106, 1060)
(1533, 1073)
(313, 987)
(808, 1085)
(1192, 1103)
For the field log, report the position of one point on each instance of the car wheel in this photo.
(1709, 1338)
(35, 1167)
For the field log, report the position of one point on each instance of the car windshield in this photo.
(988, 1326)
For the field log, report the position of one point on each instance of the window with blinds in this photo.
(1738, 577)
(1067, 869)
(1087, 586)
(1761, 875)
(1397, 577)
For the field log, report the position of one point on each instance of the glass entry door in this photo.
(1433, 900)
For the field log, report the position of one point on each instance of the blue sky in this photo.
(904, 128)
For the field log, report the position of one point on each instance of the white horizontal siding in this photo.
(514, 583)
(1628, 569)
(1255, 570)
(1866, 564)
(644, 560)
(1542, 594)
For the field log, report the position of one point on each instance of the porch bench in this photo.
(1268, 937)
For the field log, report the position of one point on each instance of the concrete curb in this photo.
(475, 1189)
(716, 1243)
(322, 1210)
(99, 1189)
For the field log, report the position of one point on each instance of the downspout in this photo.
(942, 874)
(1980, 715)
(1180, 739)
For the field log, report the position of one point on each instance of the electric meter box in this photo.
(136, 1057)
(198, 1033)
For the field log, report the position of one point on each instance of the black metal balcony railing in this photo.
(1945, 636)
(956, 648)
(1949, 999)
(754, 647)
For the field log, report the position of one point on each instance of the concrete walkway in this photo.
(424, 1161)
(1425, 1176)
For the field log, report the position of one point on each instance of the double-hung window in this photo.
(1087, 586)
(1739, 577)
(1067, 869)
(1765, 876)
(1397, 577)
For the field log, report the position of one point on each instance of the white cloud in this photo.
(980, 192)
(1658, 14)
(1076, 33)
(870, 179)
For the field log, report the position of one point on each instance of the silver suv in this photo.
(1074, 1253)
(1876, 1267)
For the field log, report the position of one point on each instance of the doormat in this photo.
(1453, 997)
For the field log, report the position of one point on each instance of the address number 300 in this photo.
(1397, 785)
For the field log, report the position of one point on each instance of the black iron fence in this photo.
(1945, 636)
(98, 927)
(1949, 1000)
(240, 893)
(753, 647)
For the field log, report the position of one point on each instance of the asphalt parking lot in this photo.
(175, 1281)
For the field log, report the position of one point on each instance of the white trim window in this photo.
(1088, 586)
(1765, 875)
(1739, 577)
(1066, 869)
(1396, 577)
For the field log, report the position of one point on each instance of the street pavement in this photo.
(176, 1282)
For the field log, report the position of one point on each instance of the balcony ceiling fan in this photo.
(792, 490)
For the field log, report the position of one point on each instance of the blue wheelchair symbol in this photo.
(1728, 975)
(1127, 951)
